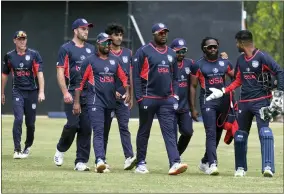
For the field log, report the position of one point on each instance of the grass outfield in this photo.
(38, 174)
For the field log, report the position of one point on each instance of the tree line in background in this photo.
(265, 21)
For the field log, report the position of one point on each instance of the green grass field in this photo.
(38, 174)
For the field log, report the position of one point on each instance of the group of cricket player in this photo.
(101, 81)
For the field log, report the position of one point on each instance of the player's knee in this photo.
(30, 126)
(187, 133)
(18, 121)
(265, 132)
(240, 136)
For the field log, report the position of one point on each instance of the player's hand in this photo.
(126, 98)
(68, 99)
(216, 93)
(41, 97)
(194, 115)
(3, 99)
(224, 55)
(131, 103)
(76, 109)
(118, 95)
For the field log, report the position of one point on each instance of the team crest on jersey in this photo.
(221, 63)
(187, 70)
(255, 64)
(125, 59)
(28, 57)
(21, 65)
(82, 57)
(163, 62)
(248, 69)
(215, 70)
(112, 62)
(170, 58)
(106, 69)
(88, 50)
(180, 42)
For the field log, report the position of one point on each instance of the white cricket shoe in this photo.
(80, 166)
(267, 172)
(58, 158)
(100, 166)
(130, 163)
(141, 168)
(18, 155)
(178, 168)
(203, 166)
(212, 170)
(240, 172)
(26, 152)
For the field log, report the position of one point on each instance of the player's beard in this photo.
(82, 38)
(104, 51)
(180, 58)
(212, 56)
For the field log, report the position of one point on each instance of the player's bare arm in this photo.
(193, 86)
(77, 106)
(131, 89)
(61, 82)
(3, 85)
(40, 77)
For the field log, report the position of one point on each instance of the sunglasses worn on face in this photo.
(210, 47)
(182, 51)
(106, 43)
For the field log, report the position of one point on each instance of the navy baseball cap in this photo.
(159, 27)
(20, 34)
(102, 37)
(178, 44)
(81, 22)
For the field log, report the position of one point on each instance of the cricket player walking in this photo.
(183, 118)
(252, 70)
(155, 80)
(26, 66)
(122, 110)
(210, 71)
(100, 71)
(70, 58)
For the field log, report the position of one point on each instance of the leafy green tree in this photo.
(267, 27)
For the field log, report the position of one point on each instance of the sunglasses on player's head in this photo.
(210, 47)
(106, 43)
(181, 51)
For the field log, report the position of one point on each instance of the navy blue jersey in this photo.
(155, 73)
(125, 57)
(211, 74)
(100, 76)
(70, 58)
(249, 75)
(24, 68)
(183, 83)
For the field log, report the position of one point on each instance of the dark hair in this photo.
(208, 38)
(114, 28)
(244, 35)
